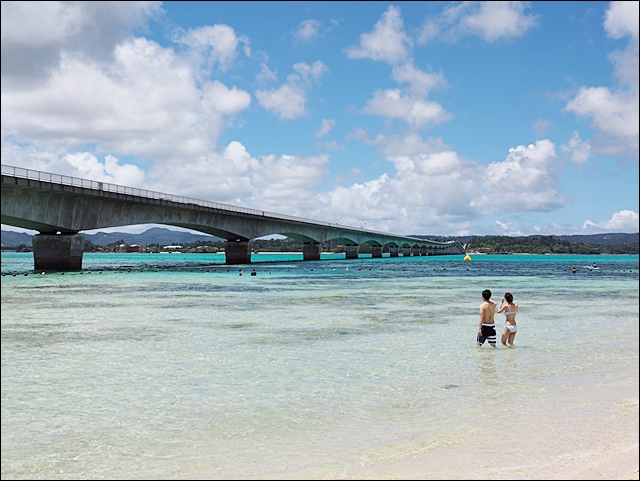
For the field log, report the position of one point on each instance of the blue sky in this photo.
(436, 118)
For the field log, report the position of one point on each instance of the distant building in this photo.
(129, 248)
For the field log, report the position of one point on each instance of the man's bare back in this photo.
(488, 312)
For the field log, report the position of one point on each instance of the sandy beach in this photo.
(595, 439)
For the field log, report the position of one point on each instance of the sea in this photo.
(177, 366)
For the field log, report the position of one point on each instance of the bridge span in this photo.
(59, 207)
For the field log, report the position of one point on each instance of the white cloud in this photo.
(225, 176)
(578, 149)
(289, 100)
(491, 21)
(420, 82)
(410, 104)
(497, 20)
(409, 145)
(440, 190)
(417, 112)
(542, 127)
(325, 128)
(279, 179)
(36, 35)
(308, 30)
(311, 30)
(387, 42)
(34, 24)
(362, 201)
(621, 19)
(89, 166)
(526, 180)
(307, 74)
(266, 74)
(331, 145)
(611, 112)
(218, 99)
(213, 45)
(84, 165)
(622, 221)
(145, 103)
(615, 112)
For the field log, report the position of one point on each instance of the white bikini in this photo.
(511, 327)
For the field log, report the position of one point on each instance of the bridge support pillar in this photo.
(311, 252)
(237, 252)
(351, 251)
(57, 252)
(376, 252)
(406, 251)
(415, 251)
(393, 251)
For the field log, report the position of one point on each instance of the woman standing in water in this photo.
(510, 327)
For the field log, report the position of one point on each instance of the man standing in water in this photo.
(487, 325)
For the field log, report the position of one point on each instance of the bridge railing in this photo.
(30, 174)
(149, 194)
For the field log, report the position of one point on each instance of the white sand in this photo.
(597, 439)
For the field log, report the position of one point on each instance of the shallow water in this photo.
(175, 367)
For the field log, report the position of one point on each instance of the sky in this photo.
(412, 118)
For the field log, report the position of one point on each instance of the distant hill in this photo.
(159, 235)
(155, 235)
(598, 239)
(591, 239)
(14, 239)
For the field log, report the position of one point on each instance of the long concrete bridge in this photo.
(59, 207)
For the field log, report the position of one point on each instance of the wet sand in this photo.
(585, 439)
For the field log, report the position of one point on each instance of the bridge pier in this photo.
(237, 252)
(351, 251)
(57, 252)
(406, 252)
(415, 251)
(376, 252)
(393, 251)
(311, 251)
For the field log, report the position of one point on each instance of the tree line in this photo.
(482, 244)
(544, 245)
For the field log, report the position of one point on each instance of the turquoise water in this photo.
(148, 366)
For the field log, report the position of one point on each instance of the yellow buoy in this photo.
(467, 257)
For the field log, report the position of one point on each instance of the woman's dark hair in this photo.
(509, 297)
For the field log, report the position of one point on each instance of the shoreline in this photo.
(590, 439)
